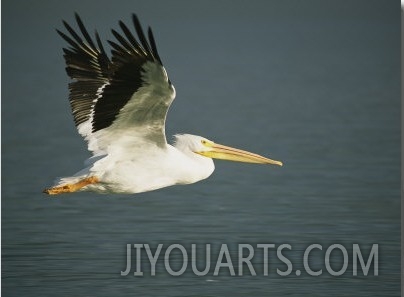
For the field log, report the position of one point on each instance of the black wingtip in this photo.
(153, 45)
(84, 31)
(59, 32)
(140, 33)
(135, 18)
(77, 18)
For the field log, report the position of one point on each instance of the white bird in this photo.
(119, 106)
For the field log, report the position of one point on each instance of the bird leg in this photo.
(69, 188)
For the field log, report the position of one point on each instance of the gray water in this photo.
(315, 84)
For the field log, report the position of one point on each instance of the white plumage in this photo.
(119, 107)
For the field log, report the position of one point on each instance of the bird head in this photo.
(207, 148)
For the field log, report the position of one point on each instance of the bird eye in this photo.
(203, 141)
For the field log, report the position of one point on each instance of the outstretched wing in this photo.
(89, 68)
(120, 102)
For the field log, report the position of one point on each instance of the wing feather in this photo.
(142, 37)
(89, 68)
(125, 97)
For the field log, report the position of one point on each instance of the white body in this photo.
(158, 168)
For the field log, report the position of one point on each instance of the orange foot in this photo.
(69, 188)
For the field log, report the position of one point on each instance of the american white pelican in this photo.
(119, 106)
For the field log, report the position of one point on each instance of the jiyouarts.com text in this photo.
(250, 259)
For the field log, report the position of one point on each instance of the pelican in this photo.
(119, 106)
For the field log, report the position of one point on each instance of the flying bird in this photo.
(119, 105)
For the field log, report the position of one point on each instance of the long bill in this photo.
(219, 151)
